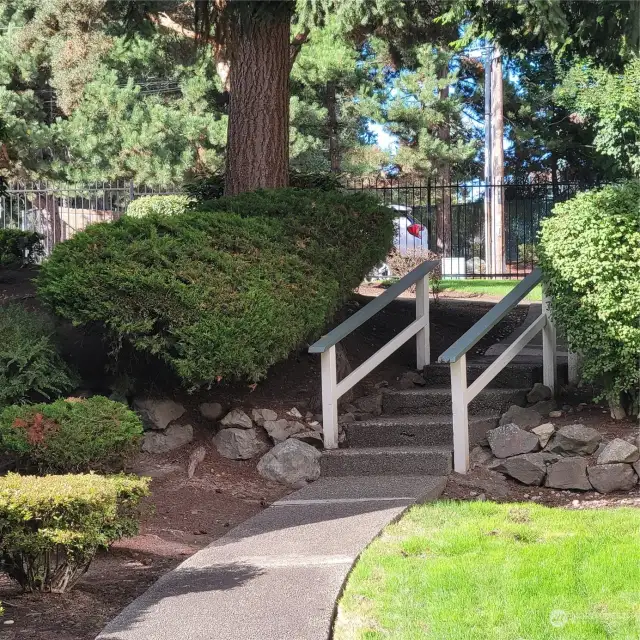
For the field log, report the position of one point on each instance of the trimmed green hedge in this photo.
(163, 205)
(224, 291)
(51, 527)
(30, 367)
(93, 434)
(590, 255)
(19, 247)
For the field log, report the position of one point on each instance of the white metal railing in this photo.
(455, 355)
(332, 390)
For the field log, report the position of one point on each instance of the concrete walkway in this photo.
(278, 575)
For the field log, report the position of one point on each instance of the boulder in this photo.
(538, 393)
(173, 437)
(260, 416)
(521, 417)
(575, 440)
(619, 450)
(292, 462)
(238, 419)
(529, 468)
(280, 430)
(156, 413)
(612, 477)
(544, 433)
(313, 438)
(568, 473)
(210, 410)
(239, 444)
(544, 407)
(346, 418)
(370, 404)
(636, 467)
(509, 440)
(294, 413)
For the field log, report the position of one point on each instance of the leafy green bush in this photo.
(590, 255)
(30, 367)
(19, 247)
(224, 291)
(170, 205)
(93, 434)
(52, 526)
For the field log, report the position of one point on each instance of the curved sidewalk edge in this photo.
(278, 575)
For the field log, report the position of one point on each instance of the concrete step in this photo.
(513, 376)
(387, 461)
(437, 401)
(414, 431)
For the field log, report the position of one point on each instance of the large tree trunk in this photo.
(332, 125)
(258, 133)
(444, 176)
(497, 161)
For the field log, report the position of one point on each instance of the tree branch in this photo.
(296, 44)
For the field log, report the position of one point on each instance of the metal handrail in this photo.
(370, 309)
(480, 329)
(332, 390)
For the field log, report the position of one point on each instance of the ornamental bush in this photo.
(163, 205)
(226, 290)
(590, 255)
(52, 526)
(30, 366)
(93, 434)
(19, 247)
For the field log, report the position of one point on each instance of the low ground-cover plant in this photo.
(93, 434)
(224, 291)
(590, 255)
(30, 366)
(168, 205)
(19, 247)
(52, 526)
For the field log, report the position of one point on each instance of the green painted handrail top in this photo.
(491, 318)
(369, 310)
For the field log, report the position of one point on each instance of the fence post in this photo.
(422, 311)
(329, 398)
(549, 364)
(460, 415)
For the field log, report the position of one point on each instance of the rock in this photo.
(480, 456)
(575, 440)
(156, 413)
(316, 426)
(346, 418)
(260, 416)
(509, 440)
(294, 413)
(636, 467)
(292, 462)
(195, 459)
(612, 477)
(238, 419)
(370, 404)
(210, 410)
(238, 443)
(544, 433)
(568, 473)
(555, 414)
(410, 379)
(280, 430)
(521, 417)
(313, 438)
(538, 393)
(544, 407)
(619, 450)
(529, 468)
(173, 437)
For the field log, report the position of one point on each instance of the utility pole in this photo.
(488, 164)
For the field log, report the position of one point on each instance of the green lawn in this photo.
(479, 570)
(488, 287)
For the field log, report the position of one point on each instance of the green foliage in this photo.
(70, 435)
(162, 205)
(52, 526)
(30, 366)
(590, 254)
(224, 291)
(19, 247)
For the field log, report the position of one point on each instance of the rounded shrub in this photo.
(93, 434)
(170, 205)
(30, 367)
(224, 291)
(51, 527)
(590, 254)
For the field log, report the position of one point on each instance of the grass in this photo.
(488, 287)
(480, 570)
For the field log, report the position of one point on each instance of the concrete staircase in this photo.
(414, 434)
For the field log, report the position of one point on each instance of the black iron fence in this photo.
(458, 222)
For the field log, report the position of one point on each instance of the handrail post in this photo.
(329, 398)
(422, 311)
(549, 363)
(460, 415)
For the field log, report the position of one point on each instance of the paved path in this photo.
(276, 576)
